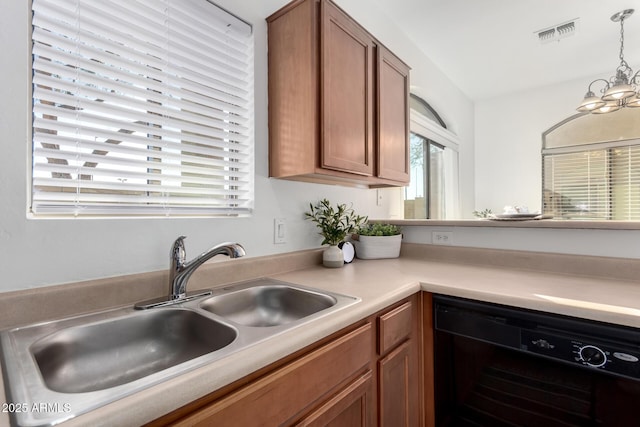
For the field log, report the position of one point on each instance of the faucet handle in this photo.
(178, 252)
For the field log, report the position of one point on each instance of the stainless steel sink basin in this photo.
(268, 305)
(82, 363)
(111, 353)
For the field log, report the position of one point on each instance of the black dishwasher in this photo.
(499, 366)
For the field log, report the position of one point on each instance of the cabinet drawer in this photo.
(353, 406)
(394, 327)
(286, 392)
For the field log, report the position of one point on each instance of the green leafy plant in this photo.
(483, 214)
(334, 223)
(379, 230)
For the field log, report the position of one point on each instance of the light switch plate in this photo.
(279, 231)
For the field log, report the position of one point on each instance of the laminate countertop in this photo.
(380, 283)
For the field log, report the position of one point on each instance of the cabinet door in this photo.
(352, 407)
(293, 89)
(398, 388)
(282, 394)
(393, 117)
(347, 93)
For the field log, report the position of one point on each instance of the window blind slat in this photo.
(117, 164)
(134, 97)
(148, 210)
(234, 159)
(585, 182)
(110, 68)
(134, 119)
(87, 124)
(133, 19)
(141, 109)
(111, 199)
(141, 189)
(211, 73)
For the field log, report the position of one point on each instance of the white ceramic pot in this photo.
(332, 257)
(376, 247)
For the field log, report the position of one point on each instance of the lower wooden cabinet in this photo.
(427, 377)
(395, 372)
(399, 371)
(351, 407)
(366, 375)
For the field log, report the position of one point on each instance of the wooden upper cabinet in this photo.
(338, 100)
(347, 93)
(393, 117)
(294, 99)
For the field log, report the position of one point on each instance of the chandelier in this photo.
(620, 90)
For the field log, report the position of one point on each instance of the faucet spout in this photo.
(180, 270)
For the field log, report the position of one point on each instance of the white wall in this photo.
(607, 243)
(36, 253)
(41, 252)
(508, 138)
(508, 171)
(428, 82)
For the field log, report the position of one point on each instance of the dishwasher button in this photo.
(592, 356)
(625, 357)
(541, 343)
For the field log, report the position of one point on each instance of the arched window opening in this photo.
(421, 106)
(432, 191)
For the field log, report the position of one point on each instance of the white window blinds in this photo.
(596, 182)
(141, 107)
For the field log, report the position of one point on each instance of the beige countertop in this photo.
(545, 223)
(380, 283)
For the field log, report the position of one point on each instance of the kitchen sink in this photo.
(82, 363)
(268, 305)
(111, 353)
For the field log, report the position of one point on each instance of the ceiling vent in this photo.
(557, 32)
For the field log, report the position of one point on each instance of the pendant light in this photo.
(620, 90)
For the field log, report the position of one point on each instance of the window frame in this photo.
(609, 177)
(154, 211)
(443, 137)
(586, 134)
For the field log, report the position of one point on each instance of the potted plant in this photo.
(375, 241)
(334, 224)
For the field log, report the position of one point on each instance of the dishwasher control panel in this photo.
(601, 347)
(607, 357)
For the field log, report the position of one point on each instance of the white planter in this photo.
(376, 247)
(332, 257)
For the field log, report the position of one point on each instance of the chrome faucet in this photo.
(180, 271)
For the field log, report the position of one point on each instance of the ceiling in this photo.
(490, 47)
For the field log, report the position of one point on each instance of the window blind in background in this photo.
(596, 182)
(141, 107)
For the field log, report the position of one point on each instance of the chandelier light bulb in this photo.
(633, 102)
(591, 102)
(609, 107)
(619, 91)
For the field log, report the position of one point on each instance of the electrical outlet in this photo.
(279, 231)
(442, 237)
(378, 197)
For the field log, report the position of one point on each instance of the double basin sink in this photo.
(81, 363)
